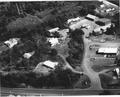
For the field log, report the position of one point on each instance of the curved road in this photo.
(94, 76)
(87, 70)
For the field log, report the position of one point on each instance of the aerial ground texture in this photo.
(79, 67)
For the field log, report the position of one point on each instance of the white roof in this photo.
(12, 42)
(73, 20)
(53, 41)
(50, 64)
(78, 24)
(54, 29)
(102, 5)
(108, 50)
(28, 55)
(117, 70)
(92, 16)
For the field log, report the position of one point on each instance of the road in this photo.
(68, 66)
(94, 77)
(46, 92)
(86, 64)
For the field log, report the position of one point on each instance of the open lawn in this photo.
(100, 64)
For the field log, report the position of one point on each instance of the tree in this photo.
(53, 52)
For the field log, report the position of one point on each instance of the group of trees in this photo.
(57, 79)
(76, 47)
(33, 38)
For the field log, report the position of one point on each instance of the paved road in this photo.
(49, 91)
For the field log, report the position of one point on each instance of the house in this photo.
(102, 5)
(107, 51)
(69, 21)
(54, 30)
(109, 3)
(91, 17)
(50, 64)
(53, 41)
(45, 67)
(117, 71)
(28, 55)
(12, 42)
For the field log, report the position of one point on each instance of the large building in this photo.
(107, 51)
(53, 30)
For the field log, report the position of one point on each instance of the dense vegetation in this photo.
(29, 21)
(57, 79)
(76, 48)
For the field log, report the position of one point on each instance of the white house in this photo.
(69, 21)
(108, 50)
(12, 42)
(28, 55)
(53, 41)
(50, 64)
(102, 5)
(54, 30)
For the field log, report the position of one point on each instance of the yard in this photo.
(100, 64)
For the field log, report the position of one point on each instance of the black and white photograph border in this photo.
(59, 48)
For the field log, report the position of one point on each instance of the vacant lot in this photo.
(100, 64)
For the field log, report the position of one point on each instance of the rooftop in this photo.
(12, 42)
(92, 16)
(108, 50)
(53, 41)
(73, 20)
(50, 64)
(54, 29)
(28, 55)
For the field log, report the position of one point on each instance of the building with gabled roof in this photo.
(50, 64)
